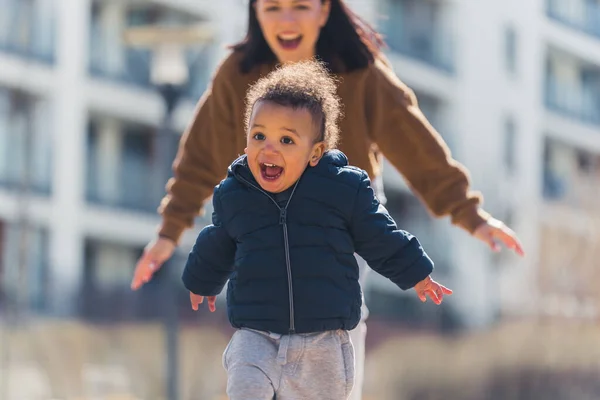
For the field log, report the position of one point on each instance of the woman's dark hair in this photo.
(346, 42)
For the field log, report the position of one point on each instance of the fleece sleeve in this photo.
(418, 151)
(209, 144)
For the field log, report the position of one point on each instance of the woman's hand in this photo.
(155, 254)
(494, 231)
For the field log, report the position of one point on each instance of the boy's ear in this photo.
(245, 150)
(317, 153)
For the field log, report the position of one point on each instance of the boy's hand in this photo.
(429, 287)
(196, 300)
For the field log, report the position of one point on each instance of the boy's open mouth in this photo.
(270, 172)
(290, 42)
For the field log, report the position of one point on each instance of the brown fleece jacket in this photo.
(381, 116)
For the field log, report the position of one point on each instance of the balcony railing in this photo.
(415, 29)
(581, 194)
(571, 176)
(25, 143)
(132, 184)
(27, 29)
(135, 69)
(581, 104)
(424, 47)
(578, 14)
(112, 58)
(134, 187)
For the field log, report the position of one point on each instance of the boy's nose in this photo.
(270, 146)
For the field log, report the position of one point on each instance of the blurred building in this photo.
(514, 88)
(79, 119)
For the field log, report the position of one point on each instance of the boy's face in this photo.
(280, 145)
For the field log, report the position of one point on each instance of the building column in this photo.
(112, 21)
(67, 236)
(521, 295)
(478, 116)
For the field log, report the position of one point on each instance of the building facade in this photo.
(513, 87)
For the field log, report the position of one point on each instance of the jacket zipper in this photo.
(283, 222)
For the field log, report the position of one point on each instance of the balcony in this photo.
(27, 29)
(571, 177)
(25, 142)
(37, 279)
(573, 102)
(572, 88)
(111, 58)
(107, 297)
(121, 165)
(418, 29)
(582, 15)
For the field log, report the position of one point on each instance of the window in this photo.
(121, 164)
(33, 261)
(27, 28)
(419, 29)
(109, 265)
(25, 141)
(106, 293)
(111, 57)
(510, 146)
(510, 50)
(572, 87)
(2, 261)
(571, 175)
(556, 170)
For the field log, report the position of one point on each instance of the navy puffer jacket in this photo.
(289, 257)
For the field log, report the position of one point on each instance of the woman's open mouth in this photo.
(270, 172)
(289, 41)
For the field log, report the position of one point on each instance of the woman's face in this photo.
(292, 27)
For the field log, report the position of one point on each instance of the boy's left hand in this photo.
(196, 300)
(435, 291)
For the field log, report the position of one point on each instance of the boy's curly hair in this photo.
(305, 85)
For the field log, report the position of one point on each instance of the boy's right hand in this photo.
(155, 254)
(429, 287)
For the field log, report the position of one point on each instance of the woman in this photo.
(381, 118)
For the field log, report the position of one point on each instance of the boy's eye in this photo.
(259, 136)
(287, 140)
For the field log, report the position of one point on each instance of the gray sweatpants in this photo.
(266, 366)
